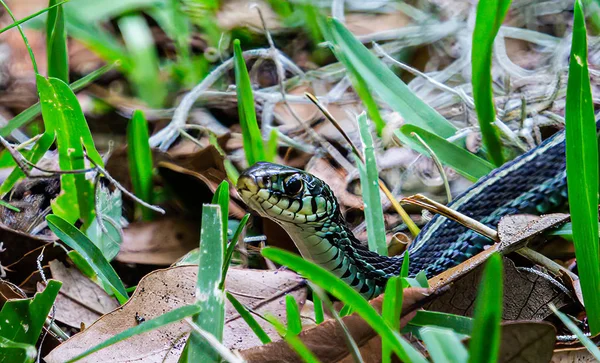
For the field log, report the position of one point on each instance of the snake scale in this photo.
(307, 209)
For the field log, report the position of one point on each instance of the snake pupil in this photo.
(293, 185)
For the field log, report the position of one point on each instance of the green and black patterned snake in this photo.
(306, 208)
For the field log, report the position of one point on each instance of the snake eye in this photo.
(293, 185)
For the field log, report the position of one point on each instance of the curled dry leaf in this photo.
(526, 341)
(165, 290)
(79, 300)
(159, 242)
(517, 230)
(579, 355)
(327, 340)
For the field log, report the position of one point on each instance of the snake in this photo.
(306, 208)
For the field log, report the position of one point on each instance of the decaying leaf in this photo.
(515, 231)
(165, 290)
(526, 341)
(579, 355)
(79, 300)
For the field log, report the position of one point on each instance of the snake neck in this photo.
(331, 245)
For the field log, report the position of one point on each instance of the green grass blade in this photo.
(369, 181)
(338, 288)
(293, 340)
(221, 197)
(293, 315)
(490, 15)
(459, 324)
(462, 161)
(63, 116)
(253, 142)
(34, 110)
(271, 147)
(145, 73)
(586, 341)
(23, 36)
(231, 248)
(386, 84)
(318, 307)
(29, 17)
(172, 316)
(8, 354)
(346, 310)
(78, 241)
(485, 339)
(392, 308)
(56, 43)
(249, 319)
(140, 161)
(209, 297)
(444, 345)
(582, 171)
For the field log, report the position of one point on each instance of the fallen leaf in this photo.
(79, 300)
(515, 231)
(165, 290)
(526, 341)
(579, 355)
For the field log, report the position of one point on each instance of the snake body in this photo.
(307, 209)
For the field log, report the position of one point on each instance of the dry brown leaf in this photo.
(79, 300)
(165, 290)
(327, 340)
(526, 341)
(515, 231)
(579, 355)
(159, 242)
(8, 291)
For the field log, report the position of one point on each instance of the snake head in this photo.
(286, 195)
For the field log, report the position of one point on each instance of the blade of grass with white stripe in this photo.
(249, 319)
(462, 161)
(582, 170)
(338, 288)
(485, 339)
(369, 181)
(386, 84)
(209, 296)
(172, 316)
(252, 139)
(56, 43)
(293, 340)
(391, 310)
(140, 162)
(78, 241)
(490, 15)
(444, 345)
(585, 340)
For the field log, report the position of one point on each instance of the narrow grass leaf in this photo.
(64, 117)
(34, 110)
(444, 345)
(392, 308)
(318, 307)
(145, 72)
(16, 352)
(386, 84)
(140, 161)
(582, 170)
(293, 340)
(490, 15)
(252, 139)
(485, 339)
(338, 288)
(78, 241)
(462, 161)
(272, 144)
(249, 319)
(585, 340)
(29, 17)
(209, 296)
(369, 181)
(460, 324)
(346, 310)
(221, 198)
(231, 248)
(56, 43)
(172, 316)
(294, 323)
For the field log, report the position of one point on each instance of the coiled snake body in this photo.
(306, 208)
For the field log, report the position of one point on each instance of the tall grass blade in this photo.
(463, 162)
(444, 345)
(221, 198)
(140, 161)
(293, 315)
(249, 319)
(318, 306)
(392, 308)
(209, 296)
(582, 171)
(231, 248)
(56, 43)
(253, 142)
(338, 288)
(29, 17)
(293, 340)
(485, 339)
(490, 15)
(172, 316)
(585, 340)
